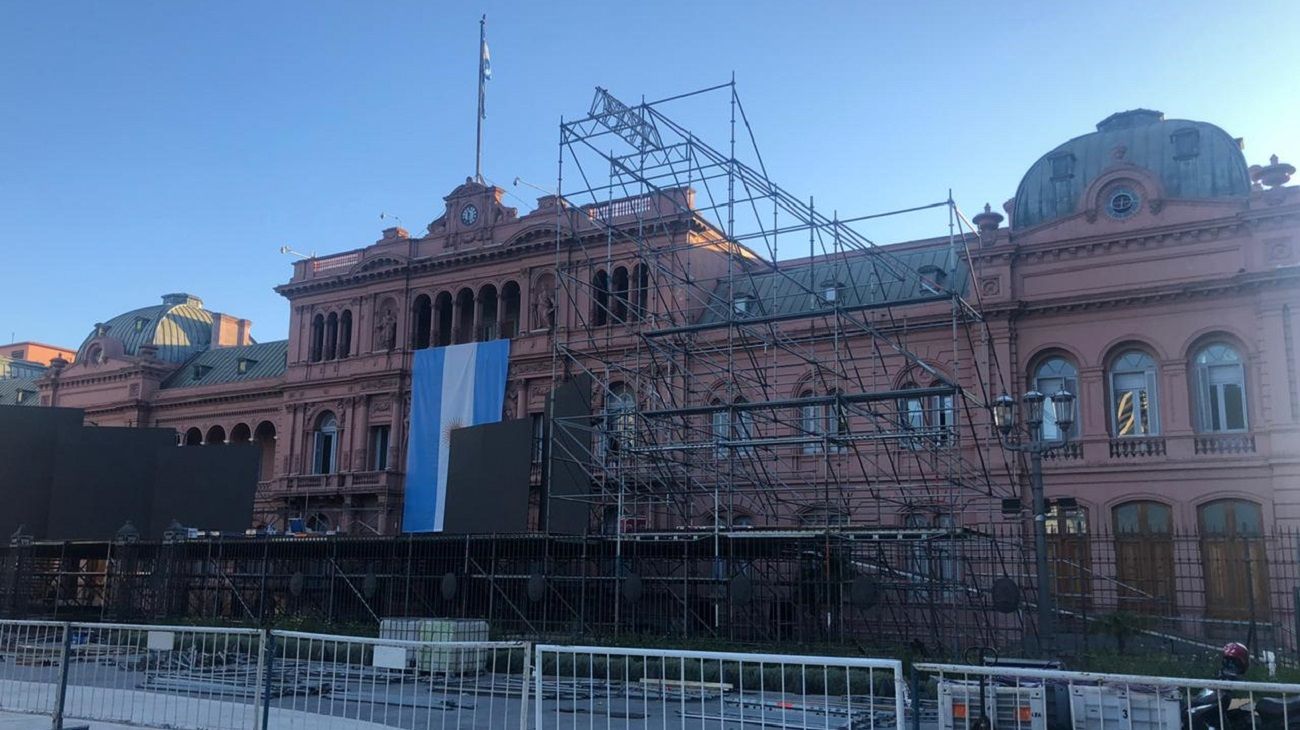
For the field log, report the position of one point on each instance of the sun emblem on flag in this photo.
(447, 428)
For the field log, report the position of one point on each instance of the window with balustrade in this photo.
(1219, 383)
(1134, 405)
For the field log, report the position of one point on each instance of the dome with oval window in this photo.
(1190, 160)
(177, 329)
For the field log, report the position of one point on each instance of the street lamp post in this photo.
(1031, 442)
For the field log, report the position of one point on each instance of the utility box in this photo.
(1120, 707)
(433, 659)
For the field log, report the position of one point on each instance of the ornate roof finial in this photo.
(1275, 174)
(988, 221)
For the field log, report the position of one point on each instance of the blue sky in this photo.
(150, 147)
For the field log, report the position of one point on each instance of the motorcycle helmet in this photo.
(1236, 657)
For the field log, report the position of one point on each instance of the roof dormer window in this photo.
(1187, 143)
(244, 365)
(201, 370)
(744, 305)
(21, 396)
(932, 278)
(102, 329)
(1062, 166)
(830, 291)
(140, 323)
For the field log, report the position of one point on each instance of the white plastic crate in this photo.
(1119, 707)
(1020, 708)
(451, 660)
(1008, 708)
(958, 704)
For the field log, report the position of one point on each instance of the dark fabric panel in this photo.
(209, 487)
(487, 478)
(102, 478)
(569, 457)
(29, 439)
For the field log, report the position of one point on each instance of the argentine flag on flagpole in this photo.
(451, 387)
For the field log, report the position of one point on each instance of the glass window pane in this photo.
(1216, 422)
(1234, 407)
(1248, 520)
(1158, 518)
(1214, 519)
(1126, 518)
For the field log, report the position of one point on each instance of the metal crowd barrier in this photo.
(959, 697)
(589, 687)
(340, 681)
(199, 678)
(31, 662)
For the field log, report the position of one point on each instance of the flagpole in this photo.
(478, 146)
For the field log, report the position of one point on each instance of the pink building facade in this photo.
(1145, 268)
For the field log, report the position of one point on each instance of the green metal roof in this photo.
(222, 364)
(180, 327)
(1191, 159)
(11, 388)
(877, 276)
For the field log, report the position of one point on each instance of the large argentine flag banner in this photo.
(452, 387)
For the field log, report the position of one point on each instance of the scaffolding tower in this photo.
(735, 387)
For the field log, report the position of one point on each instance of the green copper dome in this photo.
(179, 327)
(1192, 160)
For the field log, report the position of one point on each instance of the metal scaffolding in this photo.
(736, 387)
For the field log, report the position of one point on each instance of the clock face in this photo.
(469, 215)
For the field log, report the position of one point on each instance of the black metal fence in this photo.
(934, 593)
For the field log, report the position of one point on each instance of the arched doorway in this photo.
(193, 437)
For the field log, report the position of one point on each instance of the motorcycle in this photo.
(1223, 709)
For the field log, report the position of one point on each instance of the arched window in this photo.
(721, 429)
(600, 298)
(1134, 406)
(464, 316)
(264, 437)
(317, 338)
(487, 314)
(510, 309)
(442, 314)
(216, 435)
(620, 418)
(812, 424)
(325, 444)
(1235, 564)
(935, 566)
(744, 429)
(620, 295)
(1053, 375)
(1220, 382)
(193, 437)
(1069, 554)
(345, 333)
(331, 335)
(911, 415)
(640, 291)
(944, 416)
(1144, 554)
(95, 355)
(823, 515)
(421, 322)
(240, 434)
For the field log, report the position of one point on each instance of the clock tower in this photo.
(473, 210)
